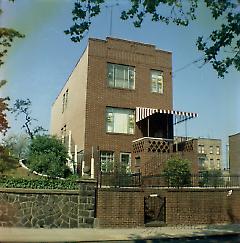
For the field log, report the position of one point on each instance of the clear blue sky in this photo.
(38, 65)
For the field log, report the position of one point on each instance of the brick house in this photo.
(117, 108)
(234, 154)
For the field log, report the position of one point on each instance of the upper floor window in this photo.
(120, 120)
(157, 81)
(121, 76)
(211, 149)
(201, 149)
(64, 100)
(218, 150)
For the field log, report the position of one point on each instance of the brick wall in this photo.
(125, 207)
(120, 208)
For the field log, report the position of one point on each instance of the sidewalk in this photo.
(127, 235)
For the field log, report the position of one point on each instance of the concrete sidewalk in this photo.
(91, 235)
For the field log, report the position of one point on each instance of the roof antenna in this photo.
(111, 19)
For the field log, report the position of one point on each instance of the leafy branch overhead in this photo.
(221, 48)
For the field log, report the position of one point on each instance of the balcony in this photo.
(150, 144)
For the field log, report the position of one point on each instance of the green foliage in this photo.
(6, 161)
(180, 12)
(48, 155)
(177, 173)
(211, 178)
(41, 183)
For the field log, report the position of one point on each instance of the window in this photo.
(107, 161)
(211, 149)
(125, 160)
(65, 100)
(201, 149)
(157, 81)
(201, 163)
(218, 150)
(63, 134)
(211, 164)
(218, 164)
(121, 76)
(120, 120)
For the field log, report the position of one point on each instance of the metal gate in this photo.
(154, 210)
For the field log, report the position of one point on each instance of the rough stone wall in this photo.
(48, 208)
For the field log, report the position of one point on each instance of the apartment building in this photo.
(234, 154)
(209, 153)
(119, 93)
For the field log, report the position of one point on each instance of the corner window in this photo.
(125, 162)
(120, 120)
(157, 81)
(121, 76)
(107, 161)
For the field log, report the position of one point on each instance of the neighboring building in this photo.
(209, 153)
(234, 154)
(119, 94)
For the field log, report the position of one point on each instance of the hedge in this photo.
(39, 183)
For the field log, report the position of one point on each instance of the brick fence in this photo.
(48, 208)
(188, 206)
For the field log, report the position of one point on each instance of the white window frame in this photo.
(109, 158)
(218, 150)
(128, 167)
(128, 81)
(157, 81)
(111, 119)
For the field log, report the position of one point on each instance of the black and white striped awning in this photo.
(179, 116)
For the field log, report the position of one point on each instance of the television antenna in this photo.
(111, 6)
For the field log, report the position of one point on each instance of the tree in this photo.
(23, 107)
(180, 12)
(3, 109)
(7, 36)
(177, 172)
(6, 162)
(17, 144)
(48, 155)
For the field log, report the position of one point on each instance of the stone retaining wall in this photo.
(48, 208)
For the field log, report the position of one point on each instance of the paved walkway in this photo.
(127, 235)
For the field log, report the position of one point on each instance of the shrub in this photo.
(48, 155)
(177, 172)
(211, 178)
(7, 162)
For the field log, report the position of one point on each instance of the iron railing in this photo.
(112, 179)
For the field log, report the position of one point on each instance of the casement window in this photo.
(121, 76)
(218, 150)
(125, 162)
(157, 81)
(201, 149)
(120, 120)
(107, 161)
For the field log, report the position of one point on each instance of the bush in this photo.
(47, 155)
(177, 173)
(211, 178)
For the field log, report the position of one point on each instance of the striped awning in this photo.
(179, 116)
